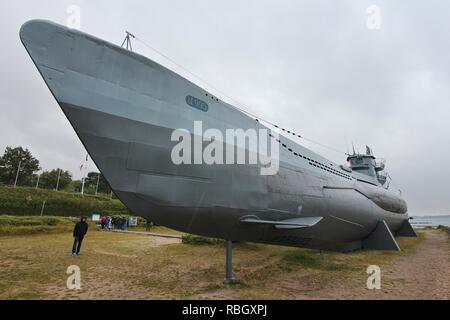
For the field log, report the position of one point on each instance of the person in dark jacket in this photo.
(79, 232)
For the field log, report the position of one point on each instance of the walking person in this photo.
(79, 232)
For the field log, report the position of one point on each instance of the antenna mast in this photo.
(127, 41)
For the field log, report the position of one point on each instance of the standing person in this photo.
(108, 223)
(103, 222)
(112, 223)
(119, 223)
(148, 225)
(122, 223)
(79, 232)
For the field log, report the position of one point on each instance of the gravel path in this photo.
(423, 275)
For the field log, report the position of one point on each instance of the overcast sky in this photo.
(330, 70)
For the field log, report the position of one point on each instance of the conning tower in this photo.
(366, 164)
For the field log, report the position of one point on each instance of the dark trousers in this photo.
(77, 244)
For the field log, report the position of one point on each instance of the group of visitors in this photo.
(109, 223)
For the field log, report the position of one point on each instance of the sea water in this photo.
(431, 221)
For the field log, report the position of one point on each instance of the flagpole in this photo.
(82, 185)
(84, 178)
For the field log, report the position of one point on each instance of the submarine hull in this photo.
(125, 107)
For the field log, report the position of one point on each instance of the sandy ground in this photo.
(130, 266)
(423, 275)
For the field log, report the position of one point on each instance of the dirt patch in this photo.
(422, 275)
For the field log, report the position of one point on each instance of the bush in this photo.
(446, 229)
(28, 201)
(25, 225)
(18, 221)
(198, 240)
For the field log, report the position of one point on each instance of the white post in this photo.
(37, 183)
(17, 174)
(98, 180)
(83, 180)
(57, 182)
(42, 209)
(82, 185)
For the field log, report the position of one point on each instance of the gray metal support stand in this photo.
(229, 279)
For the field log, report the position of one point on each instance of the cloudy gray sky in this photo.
(312, 66)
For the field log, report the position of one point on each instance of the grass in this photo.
(29, 201)
(446, 230)
(199, 240)
(128, 266)
(26, 225)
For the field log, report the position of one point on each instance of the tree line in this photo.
(18, 167)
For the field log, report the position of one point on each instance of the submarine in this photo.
(125, 109)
